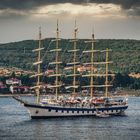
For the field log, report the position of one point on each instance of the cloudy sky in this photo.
(115, 19)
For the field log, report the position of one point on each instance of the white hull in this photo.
(45, 112)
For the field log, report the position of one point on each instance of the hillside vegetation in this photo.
(125, 53)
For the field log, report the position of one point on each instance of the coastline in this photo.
(125, 92)
(10, 95)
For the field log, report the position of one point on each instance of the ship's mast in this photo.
(74, 63)
(56, 59)
(92, 63)
(56, 63)
(38, 63)
(74, 58)
(106, 81)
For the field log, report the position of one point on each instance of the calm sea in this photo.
(15, 124)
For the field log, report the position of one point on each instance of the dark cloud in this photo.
(29, 4)
(32, 4)
(126, 4)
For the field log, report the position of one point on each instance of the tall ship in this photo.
(75, 104)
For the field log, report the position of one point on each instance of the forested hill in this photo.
(125, 53)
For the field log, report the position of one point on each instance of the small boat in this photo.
(101, 114)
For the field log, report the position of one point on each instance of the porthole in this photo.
(36, 111)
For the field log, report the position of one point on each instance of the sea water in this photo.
(15, 124)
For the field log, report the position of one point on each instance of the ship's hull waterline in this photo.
(38, 111)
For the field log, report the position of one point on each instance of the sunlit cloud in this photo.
(94, 10)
